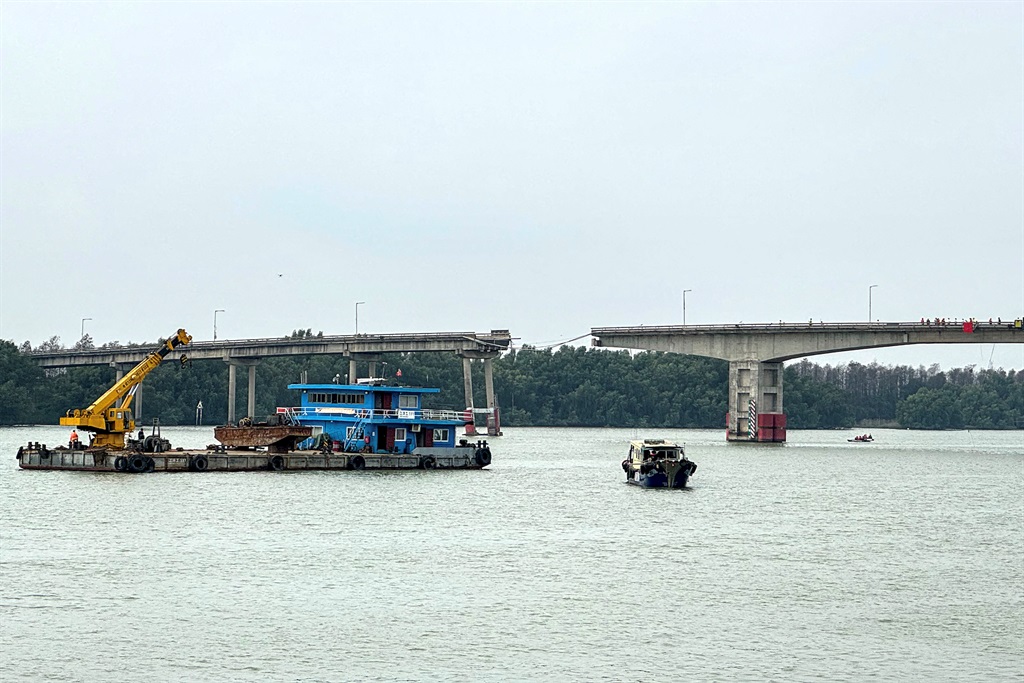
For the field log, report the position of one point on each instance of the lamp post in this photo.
(869, 301)
(83, 327)
(358, 304)
(219, 310)
(684, 304)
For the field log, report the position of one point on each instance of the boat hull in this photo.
(225, 460)
(660, 480)
(671, 475)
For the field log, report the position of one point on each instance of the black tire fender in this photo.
(483, 457)
(199, 462)
(428, 462)
(120, 463)
(276, 462)
(137, 463)
(357, 462)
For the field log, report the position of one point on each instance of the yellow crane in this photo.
(110, 416)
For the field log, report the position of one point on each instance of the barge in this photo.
(656, 463)
(363, 426)
(36, 456)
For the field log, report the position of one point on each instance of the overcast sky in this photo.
(545, 168)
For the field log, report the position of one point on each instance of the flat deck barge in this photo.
(220, 459)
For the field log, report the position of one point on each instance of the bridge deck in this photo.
(785, 341)
(483, 343)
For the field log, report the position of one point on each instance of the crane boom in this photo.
(110, 415)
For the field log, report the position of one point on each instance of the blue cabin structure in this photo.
(374, 418)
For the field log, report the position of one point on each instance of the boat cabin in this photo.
(654, 449)
(371, 417)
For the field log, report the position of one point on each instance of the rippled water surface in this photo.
(818, 560)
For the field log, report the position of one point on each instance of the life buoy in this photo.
(120, 463)
(277, 463)
(428, 462)
(357, 463)
(200, 462)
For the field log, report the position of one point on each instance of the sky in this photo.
(539, 167)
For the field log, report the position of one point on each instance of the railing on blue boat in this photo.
(298, 413)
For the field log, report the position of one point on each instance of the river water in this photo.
(818, 560)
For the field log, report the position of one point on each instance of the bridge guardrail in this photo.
(816, 325)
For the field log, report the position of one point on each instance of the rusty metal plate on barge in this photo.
(278, 438)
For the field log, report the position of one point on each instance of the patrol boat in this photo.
(656, 463)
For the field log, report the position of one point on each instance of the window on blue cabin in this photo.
(440, 435)
(399, 434)
(408, 401)
(336, 398)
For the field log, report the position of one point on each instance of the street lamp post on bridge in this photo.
(358, 304)
(82, 336)
(219, 310)
(684, 304)
(869, 301)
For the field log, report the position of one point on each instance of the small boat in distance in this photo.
(656, 463)
(863, 438)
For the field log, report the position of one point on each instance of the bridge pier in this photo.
(493, 421)
(353, 368)
(233, 363)
(467, 385)
(755, 402)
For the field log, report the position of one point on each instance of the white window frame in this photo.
(399, 434)
(438, 435)
(408, 401)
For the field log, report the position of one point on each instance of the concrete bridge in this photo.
(357, 348)
(756, 353)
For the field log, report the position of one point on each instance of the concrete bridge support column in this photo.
(755, 402)
(493, 423)
(231, 393)
(353, 368)
(251, 405)
(467, 383)
(233, 363)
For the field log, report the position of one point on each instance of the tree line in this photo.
(568, 386)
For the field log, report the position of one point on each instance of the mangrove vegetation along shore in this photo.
(570, 386)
